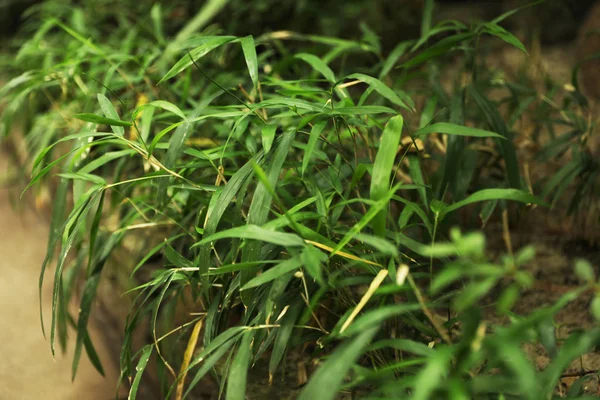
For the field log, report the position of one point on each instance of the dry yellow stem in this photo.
(342, 254)
(365, 299)
(187, 357)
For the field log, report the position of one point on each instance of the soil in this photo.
(27, 370)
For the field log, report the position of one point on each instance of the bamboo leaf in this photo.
(495, 194)
(318, 65)
(313, 139)
(327, 380)
(399, 98)
(257, 233)
(454, 129)
(165, 105)
(268, 135)
(271, 274)
(383, 166)
(186, 61)
(249, 49)
(109, 112)
(261, 205)
(140, 368)
(238, 373)
(97, 119)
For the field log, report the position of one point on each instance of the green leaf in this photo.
(271, 274)
(78, 136)
(110, 112)
(318, 65)
(383, 167)
(215, 344)
(454, 129)
(359, 110)
(284, 334)
(156, 17)
(313, 260)
(595, 307)
(176, 144)
(513, 11)
(399, 98)
(576, 345)
(498, 31)
(141, 366)
(217, 206)
(207, 365)
(55, 232)
(507, 299)
(71, 228)
(329, 377)
(584, 271)
(473, 292)
(249, 49)
(238, 373)
(177, 259)
(442, 47)
(257, 233)
(432, 375)
(393, 58)
(85, 307)
(380, 244)
(165, 105)
(377, 316)
(261, 207)
(368, 217)
(83, 177)
(495, 194)
(427, 16)
(197, 53)
(97, 119)
(313, 139)
(103, 160)
(92, 354)
(497, 123)
(228, 268)
(406, 345)
(416, 174)
(268, 135)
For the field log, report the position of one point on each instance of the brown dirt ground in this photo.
(27, 370)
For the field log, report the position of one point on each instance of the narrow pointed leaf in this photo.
(318, 65)
(383, 167)
(196, 54)
(109, 112)
(249, 49)
(238, 373)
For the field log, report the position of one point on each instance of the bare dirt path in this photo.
(27, 370)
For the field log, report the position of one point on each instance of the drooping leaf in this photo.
(318, 65)
(238, 373)
(249, 49)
